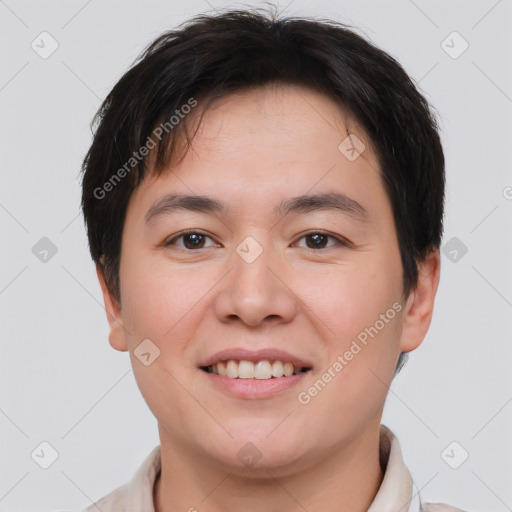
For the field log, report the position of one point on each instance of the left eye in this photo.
(318, 239)
(195, 240)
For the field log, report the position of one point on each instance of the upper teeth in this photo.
(249, 370)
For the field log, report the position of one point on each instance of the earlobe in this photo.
(420, 303)
(116, 335)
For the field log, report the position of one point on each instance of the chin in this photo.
(254, 452)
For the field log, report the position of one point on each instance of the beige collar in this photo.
(396, 493)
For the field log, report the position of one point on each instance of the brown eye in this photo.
(319, 240)
(191, 240)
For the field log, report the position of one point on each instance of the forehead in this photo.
(269, 141)
(286, 113)
(293, 113)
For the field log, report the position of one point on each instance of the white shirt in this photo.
(397, 492)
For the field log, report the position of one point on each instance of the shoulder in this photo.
(112, 502)
(137, 494)
(439, 507)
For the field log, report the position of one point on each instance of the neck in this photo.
(345, 479)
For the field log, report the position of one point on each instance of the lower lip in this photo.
(254, 388)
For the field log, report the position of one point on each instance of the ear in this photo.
(420, 303)
(116, 335)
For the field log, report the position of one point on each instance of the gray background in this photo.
(61, 381)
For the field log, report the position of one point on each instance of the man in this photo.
(264, 204)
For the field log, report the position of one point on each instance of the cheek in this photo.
(163, 307)
(356, 312)
(156, 298)
(347, 299)
(359, 367)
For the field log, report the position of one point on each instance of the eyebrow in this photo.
(300, 204)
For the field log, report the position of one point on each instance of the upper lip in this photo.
(268, 354)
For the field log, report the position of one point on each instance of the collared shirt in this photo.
(397, 492)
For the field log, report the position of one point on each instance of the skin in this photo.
(254, 149)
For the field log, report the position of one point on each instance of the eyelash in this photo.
(340, 241)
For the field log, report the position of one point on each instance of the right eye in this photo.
(192, 240)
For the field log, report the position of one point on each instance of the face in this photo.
(317, 284)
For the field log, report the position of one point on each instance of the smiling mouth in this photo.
(261, 370)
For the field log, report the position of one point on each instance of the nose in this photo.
(256, 291)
